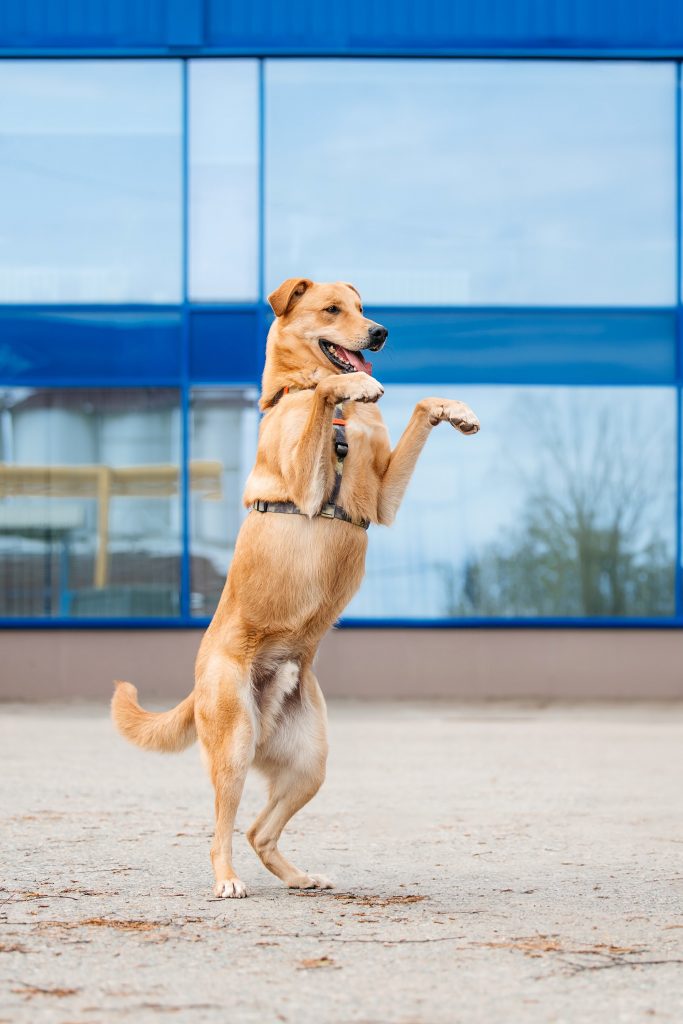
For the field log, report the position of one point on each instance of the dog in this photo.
(324, 470)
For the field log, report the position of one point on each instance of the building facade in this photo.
(502, 184)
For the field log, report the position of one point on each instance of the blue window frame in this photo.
(200, 343)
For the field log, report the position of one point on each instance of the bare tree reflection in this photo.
(594, 537)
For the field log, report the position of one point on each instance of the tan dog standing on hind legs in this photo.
(324, 470)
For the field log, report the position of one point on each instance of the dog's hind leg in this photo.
(228, 780)
(293, 760)
(226, 733)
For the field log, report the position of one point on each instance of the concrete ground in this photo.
(499, 863)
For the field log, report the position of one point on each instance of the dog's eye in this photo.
(333, 309)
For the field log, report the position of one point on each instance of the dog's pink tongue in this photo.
(357, 361)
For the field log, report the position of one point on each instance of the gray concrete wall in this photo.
(461, 663)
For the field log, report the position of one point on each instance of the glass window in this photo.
(224, 429)
(474, 182)
(90, 504)
(563, 505)
(90, 179)
(224, 145)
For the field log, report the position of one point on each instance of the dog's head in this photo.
(318, 329)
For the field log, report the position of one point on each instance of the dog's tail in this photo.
(169, 731)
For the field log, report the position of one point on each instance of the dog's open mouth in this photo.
(347, 360)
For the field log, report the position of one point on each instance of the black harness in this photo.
(330, 510)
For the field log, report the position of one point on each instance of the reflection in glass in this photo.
(91, 158)
(474, 182)
(223, 153)
(90, 502)
(563, 505)
(223, 441)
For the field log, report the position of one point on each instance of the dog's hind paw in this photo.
(231, 889)
(312, 882)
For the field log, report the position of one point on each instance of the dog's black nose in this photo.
(377, 335)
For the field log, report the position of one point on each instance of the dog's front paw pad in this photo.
(312, 882)
(231, 889)
(466, 424)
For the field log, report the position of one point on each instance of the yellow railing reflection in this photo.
(102, 483)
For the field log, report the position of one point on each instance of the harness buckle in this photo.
(341, 448)
(328, 511)
(261, 506)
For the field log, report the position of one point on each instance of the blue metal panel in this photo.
(89, 345)
(225, 346)
(200, 623)
(184, 23)
(425, 346)
(84, 24)
(387, 26)
(343, 27)
(527, 346)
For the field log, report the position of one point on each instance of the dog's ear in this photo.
(289, 292)
(353, 288)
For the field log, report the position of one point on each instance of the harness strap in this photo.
(330, 510)
(341, 449)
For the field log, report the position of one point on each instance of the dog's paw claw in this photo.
(320, 882)
(466, 426)
(312, 882)
(451, 411)
(356, 387)
(231, 889)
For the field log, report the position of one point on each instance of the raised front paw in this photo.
(353, 387)
(456, 413)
